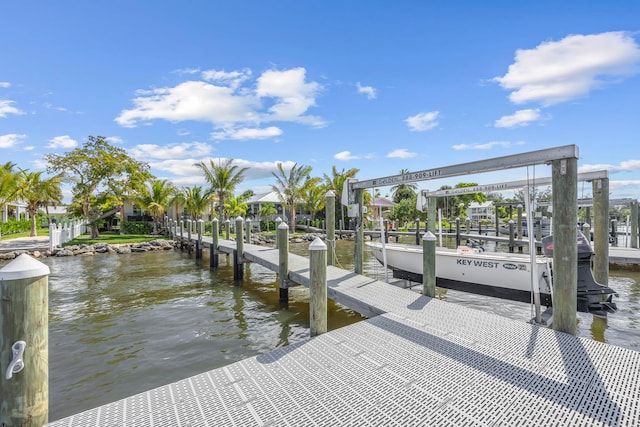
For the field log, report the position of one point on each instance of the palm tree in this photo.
(291, 188)
(314, 199)
(196, 200)
(37, 192)
(155, 199)
(404, 191)
(235, 206)
(223, 178)
(335, 182)
(7, 183)
(267, 210)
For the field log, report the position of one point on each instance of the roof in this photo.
(382, 202)
(270, 197)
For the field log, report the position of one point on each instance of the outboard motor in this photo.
(593, 297)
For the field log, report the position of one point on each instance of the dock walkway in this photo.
(421, 361)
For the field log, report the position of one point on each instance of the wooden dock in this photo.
(415, 361)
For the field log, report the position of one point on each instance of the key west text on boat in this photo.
(498, 274)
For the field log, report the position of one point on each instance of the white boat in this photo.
(497, 274)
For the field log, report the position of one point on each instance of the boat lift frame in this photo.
(563, 161)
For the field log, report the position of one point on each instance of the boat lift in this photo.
(564, 165)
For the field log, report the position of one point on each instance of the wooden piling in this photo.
(181, 235)
(282, 235)
(457, 232)
(432, 219)
(317, 287)
(512, 243)
(189, 236)
(238, 265)
(429, 264)
(24, 311)
(199, 230)
(565, 251)
(634, 224)
(278, 222)
(520, 230)
(417, 231)
(600, 191)
(213, 249)
(359, 240)
(247, 231)
(227, 228)
(330, 206)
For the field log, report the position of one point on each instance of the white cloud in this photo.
(114, 140)
(401, 153)
(345, 156)
(64, 141)
(559, 71)
(11, 140)
(248, 133)
(7, 108)
(486, 146)
(171, 151)
(423, 121)
(625, 166)
(226, 100)
(367, 90)
(5, 84)
(520, 118)
(623, 185)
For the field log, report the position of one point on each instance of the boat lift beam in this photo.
(531, 158)
(564, 167)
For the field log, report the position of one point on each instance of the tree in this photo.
(404, 191)
(99, 169)
(235, 206)
(314, 199)
(267, 210)
(223, 178)
(37, 192)
(335, 182)
(196, 200)
(291, 187)
(155, 200)
(7, 183)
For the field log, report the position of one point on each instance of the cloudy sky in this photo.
(378, 86)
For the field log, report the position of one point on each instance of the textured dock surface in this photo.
(422, 362)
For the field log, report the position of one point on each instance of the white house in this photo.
(479, 211)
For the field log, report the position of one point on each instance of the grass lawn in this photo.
(112, 238)
(40, 231)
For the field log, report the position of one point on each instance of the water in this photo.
(123, 324)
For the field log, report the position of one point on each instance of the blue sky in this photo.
(378, 86)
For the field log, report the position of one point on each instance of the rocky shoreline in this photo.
(127, 248)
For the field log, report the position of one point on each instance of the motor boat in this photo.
(499, 274)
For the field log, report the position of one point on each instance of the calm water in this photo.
(123, 324)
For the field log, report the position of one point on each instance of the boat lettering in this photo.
(477, 263)
(510, 266)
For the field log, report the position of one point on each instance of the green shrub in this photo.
(14, 227)
(136, 227)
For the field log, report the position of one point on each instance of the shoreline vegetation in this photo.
(126, 244)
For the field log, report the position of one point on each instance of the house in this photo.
(14, 211)
(480, 211)
(257, 201)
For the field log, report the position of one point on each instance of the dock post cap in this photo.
(239, 218)
(330, 193)
(283, 225)
(23, 267)
(317, 245)
(428, 236)
(215, 219)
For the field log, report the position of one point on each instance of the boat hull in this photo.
(505, 276)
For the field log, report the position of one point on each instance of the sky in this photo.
(378, 86)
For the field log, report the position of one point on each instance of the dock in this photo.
(415, 361)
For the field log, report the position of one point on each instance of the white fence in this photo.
(61, 233)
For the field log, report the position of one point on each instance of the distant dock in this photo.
(416, 361)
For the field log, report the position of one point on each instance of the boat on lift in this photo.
(498, 274)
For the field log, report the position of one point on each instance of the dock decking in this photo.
(420, 361)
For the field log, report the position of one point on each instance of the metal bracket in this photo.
(16, 364)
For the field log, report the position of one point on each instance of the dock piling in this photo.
(24, 343)
(189, 236)
(317, 287)
(330, 204)
(429, 264)
(200, 230)
(238, 270)
(213, 249)
(282, 237)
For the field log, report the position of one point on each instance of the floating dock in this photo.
(419, 361)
